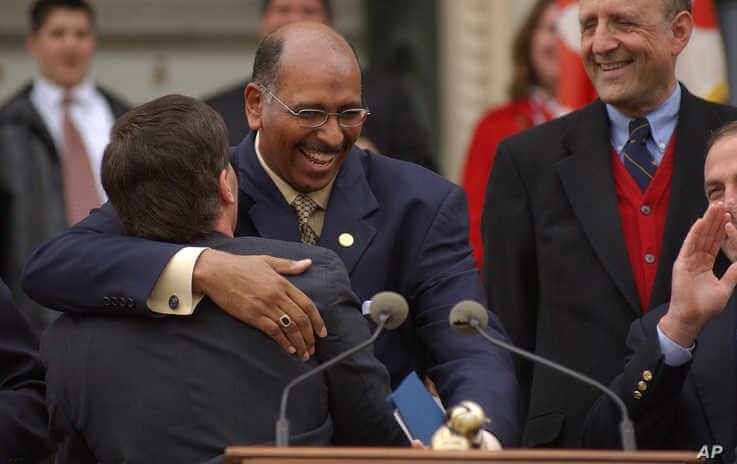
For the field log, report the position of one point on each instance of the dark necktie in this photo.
(637, 158)
(305, 206)
(80, 191)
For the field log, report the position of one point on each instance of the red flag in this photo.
(574, 87)
(702, 66)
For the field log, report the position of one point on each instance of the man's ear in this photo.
(682, 28)
(254, 99)
(227, 195)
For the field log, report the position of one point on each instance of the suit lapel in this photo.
(687, 201)
(714, 372)
(261, 204)
(587, 181)
(351, 201)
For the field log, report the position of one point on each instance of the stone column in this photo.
(475, 44)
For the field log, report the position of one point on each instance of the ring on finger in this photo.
(285, 321)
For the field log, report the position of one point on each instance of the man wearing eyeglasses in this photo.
(395, 225)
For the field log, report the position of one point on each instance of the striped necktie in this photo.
(637, 158)
(80, 190)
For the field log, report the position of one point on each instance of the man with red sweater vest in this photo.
(585, 215)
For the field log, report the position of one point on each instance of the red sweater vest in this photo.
(643, 219)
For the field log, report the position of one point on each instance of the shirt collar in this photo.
(663, 121)
(48, 91)
(321, 197)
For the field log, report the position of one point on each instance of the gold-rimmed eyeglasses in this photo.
(313, 118)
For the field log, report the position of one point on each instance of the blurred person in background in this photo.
(52, 136)
(393, 128)
(532, 102)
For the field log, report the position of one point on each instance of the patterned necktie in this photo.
(305, 206)
(637, 158)
(80, 191)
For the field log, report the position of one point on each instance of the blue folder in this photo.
(419, 412)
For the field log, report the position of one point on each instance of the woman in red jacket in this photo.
(532, 95)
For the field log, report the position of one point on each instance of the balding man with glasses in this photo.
(395, 225)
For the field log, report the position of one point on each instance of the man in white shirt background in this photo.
(52, 136)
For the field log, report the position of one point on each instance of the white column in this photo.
(475, 46)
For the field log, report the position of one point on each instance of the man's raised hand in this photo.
(697, 295)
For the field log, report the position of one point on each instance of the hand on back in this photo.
(253, 290)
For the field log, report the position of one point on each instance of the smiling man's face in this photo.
(629, 50)
(314, 73)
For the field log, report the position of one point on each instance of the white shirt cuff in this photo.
(173, 291)
(675, 355)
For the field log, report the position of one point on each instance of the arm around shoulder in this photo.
(92, 265)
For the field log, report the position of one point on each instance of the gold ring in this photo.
(285, 321)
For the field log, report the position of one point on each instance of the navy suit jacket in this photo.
(185, 388)
(23, 435)
(684, 407)
(410, 229)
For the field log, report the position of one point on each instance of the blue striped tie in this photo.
(637, 158)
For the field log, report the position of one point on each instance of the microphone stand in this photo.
(626, 429)
(282, 424)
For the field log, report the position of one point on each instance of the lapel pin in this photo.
(345, 239)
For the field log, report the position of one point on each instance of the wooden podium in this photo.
(307, 455)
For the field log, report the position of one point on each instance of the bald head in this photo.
(302, 72)
(299, 44)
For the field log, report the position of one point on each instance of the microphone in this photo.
(468, 317)
(389, 310)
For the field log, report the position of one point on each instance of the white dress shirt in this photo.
(89, 111)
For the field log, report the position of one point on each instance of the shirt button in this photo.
(645, 209)
(662, 147)
(173, 302)
(649, 258)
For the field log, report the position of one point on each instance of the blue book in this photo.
(418, 412)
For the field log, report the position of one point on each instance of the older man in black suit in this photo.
(585, 215)
(179, 390)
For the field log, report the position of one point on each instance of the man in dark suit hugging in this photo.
(131, 389)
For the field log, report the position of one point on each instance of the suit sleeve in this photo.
(23, 417)
(655, 412)
(358, 387)
(92, 267)
(462, 368)
(510, 262)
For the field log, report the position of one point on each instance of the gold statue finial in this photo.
(463, 428)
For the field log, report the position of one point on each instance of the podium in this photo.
(336, 455)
